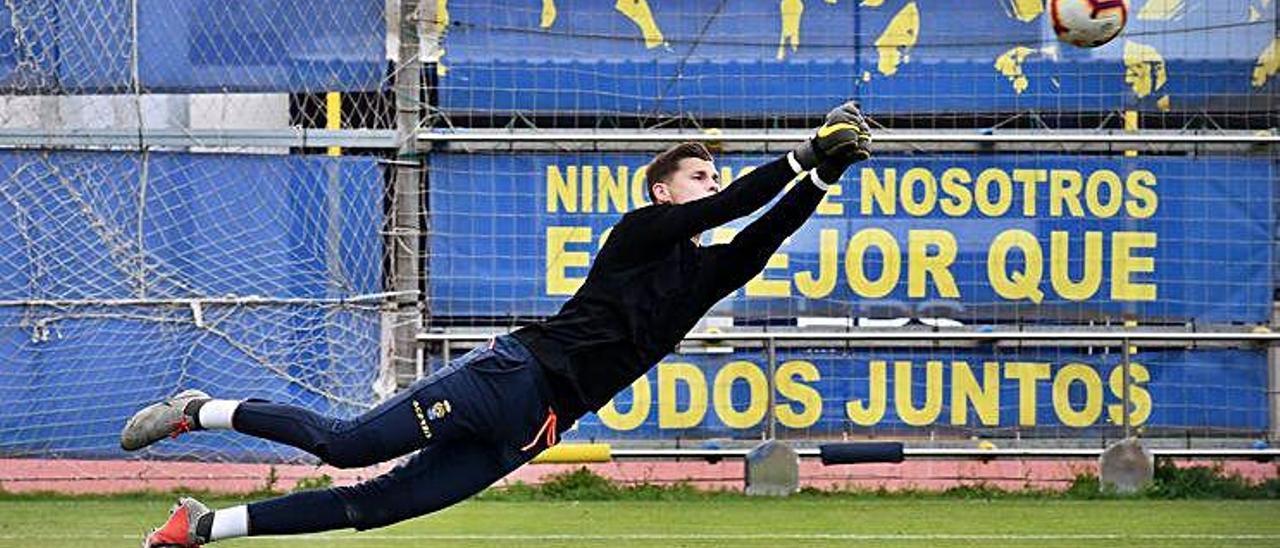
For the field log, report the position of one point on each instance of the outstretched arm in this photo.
(842, 140)
(749, 252)
(666, 223)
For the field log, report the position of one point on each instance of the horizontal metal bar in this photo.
(880, 137)
(1118, 337)
(386, 138)
(240, 300)
(186, 137)
(940, 453)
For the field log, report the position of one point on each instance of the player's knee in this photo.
(346, 456)
(346, 451)
(341, 445)
(367, 508)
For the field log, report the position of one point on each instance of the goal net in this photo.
(1020, 184)
(172, 215)
(218, 194)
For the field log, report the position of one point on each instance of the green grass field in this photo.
(723, 521)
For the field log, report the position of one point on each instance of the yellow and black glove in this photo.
(843, 139)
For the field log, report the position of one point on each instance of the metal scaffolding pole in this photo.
(403, 316)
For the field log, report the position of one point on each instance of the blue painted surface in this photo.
(1208, 390)
(1214, 224)
(210, 226)
(75, 47)
(723, 59)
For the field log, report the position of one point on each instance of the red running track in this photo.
(121, 476)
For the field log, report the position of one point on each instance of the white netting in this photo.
(166, 221)
(1012, 235)
(912, 64)
(124, 264)
(209, 69)
(129, 276)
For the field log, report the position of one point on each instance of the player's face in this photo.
(696, 178)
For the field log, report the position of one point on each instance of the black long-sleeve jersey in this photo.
(651, 283)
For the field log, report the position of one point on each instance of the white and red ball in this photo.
(1088, 23)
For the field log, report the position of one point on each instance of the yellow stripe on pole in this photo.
(1131, 126)
(573, 453)
(1131, 323)
(333, 116)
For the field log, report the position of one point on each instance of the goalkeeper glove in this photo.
(843, 139)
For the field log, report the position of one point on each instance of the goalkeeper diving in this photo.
(488, 412)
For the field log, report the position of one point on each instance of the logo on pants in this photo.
(437, 411)
(422, 420)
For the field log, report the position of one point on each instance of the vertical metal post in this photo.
(444, 353)
(419, 360)
(771, 346)
(144, 169)
(1273, 376)
(419, 363)
(406, 226)
(333, 117)
(1128, 402)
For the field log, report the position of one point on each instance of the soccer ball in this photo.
(1088, 23)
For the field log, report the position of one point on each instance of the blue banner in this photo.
(197, 225)
(66, 47)
(795, 57)
(79, 228)
(828, 393)
(1025, 237)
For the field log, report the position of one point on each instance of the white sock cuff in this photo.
(230, 523)
(216, 414)
(817, 181)
(796, 168)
